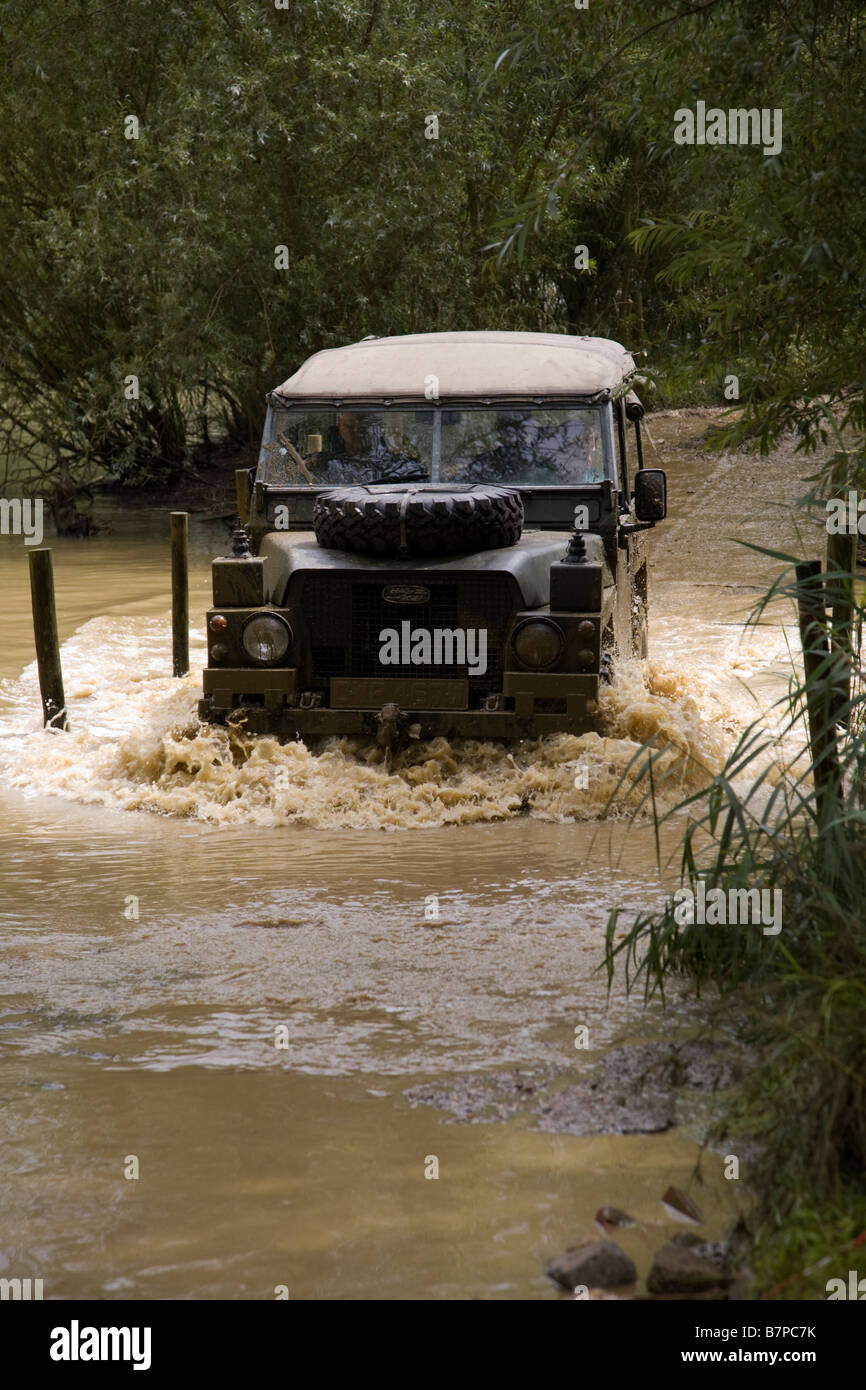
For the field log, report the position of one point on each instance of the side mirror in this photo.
(650, 494)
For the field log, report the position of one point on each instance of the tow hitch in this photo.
(393, 731)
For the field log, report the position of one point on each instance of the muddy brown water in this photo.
(174, 903)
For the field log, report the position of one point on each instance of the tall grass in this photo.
(797, 999)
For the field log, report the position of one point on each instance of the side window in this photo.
(638, 442)
(622, 452)
(266, 445)
(611, 446)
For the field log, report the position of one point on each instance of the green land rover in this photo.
(444, 535)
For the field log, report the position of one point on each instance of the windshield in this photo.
(518, 445)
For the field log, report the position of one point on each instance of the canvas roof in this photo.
(466, 365)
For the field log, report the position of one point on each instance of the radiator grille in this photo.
(345, 616)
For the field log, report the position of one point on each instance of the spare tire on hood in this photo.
(423, 520)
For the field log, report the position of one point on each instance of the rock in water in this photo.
(689, 1268)
(607, 1217)
(680, 1206)
(599, 1264)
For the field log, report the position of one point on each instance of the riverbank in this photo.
(207, 490)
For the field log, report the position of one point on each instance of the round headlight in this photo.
(538, 643)
(266, 639)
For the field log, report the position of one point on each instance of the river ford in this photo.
(229, 961)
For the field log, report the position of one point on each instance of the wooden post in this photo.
(841, 564)
(242, 488)
(819, 703)
(180, 592)
(47, 644)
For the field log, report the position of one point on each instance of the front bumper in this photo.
(267, 702)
